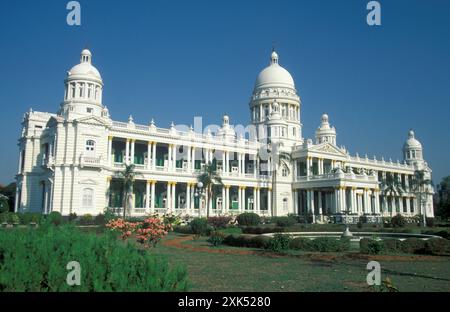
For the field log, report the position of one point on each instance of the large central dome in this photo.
(274, 76)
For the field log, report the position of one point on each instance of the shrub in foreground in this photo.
(248, 219)
(107, 264)
(199, 226)
(320, 244)
(284, 221)
(398, 221)
(54, 218)
(371, 246)
(279, 242)
(219, 222)
(216, 238)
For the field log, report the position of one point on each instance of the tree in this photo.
(128, 175)
(420, 185)
(4, 206)
(211, 182)
(443, 198)
(10, 192)
(391, 187)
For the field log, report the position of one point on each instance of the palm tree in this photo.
(282, 159)
(211, 181)
(420, 185)
(391, 187)
(128, 176)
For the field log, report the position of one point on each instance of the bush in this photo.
(437, 246)
(413, 246)
(299, 243)
(260, 241)
(28, 217)
(9, 217)
(199, 226)
(430, 222)
(182, 229)
(86, 219)
(4, 206)
(100, 219)
(329, 244)
(107, 264)
(392, 245)
(279, 242)
(216, 238)
(284, 221)
(248, 219)
(72, 216)
(54, 218)
(261, 230)
(371, 246)
(398, 221)
(219, 222)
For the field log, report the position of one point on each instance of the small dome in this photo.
(412, 142)
(274, 76)
(85, 68)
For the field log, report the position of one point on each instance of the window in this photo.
(284, 172)
(285, 204)
(89, 110)
(88, 198)
(90, 147)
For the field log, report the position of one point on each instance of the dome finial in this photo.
(274, 57)
(86, 56)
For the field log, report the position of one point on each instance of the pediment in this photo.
(88, 182)
(328, 149)
(92, 120)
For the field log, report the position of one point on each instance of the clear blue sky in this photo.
(173, 60)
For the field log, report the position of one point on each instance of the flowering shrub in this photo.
(150, 231)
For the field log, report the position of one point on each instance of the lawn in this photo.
(245, 269)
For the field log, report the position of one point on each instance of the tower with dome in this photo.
(70, 161)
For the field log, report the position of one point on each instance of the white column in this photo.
(320, 203)
(295, 194)
(254, 199)
(127, 152)
(154, 155)
(188, 197)
(239, 163)
(193, 159)
(132, 151)
(377, 201)
(366, 201)
(408, 205)
(153, 198)
(400, 201)
(240, 199)
(343, 199)
(227, 198)
(173, 193)
(169, 157)
(295, 170)
(147, 196)
(189, 160)
(174, 157)
(168, 197)
(223, 200)
(258, 200)
(308, 166)
(337, 194)
(109, 150)
(149, 155)
(269, 201)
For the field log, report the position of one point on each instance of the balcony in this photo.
(337, 176)
(90, 161)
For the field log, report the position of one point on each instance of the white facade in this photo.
(70, 161)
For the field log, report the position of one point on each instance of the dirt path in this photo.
(178, 242)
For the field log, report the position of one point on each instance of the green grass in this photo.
(300, 271)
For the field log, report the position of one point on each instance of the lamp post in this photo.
(199, 194)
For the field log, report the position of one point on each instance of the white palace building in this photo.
(71, 161)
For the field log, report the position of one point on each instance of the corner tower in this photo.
(83, 90)
(275, 105)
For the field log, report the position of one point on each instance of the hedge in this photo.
(36, 261)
